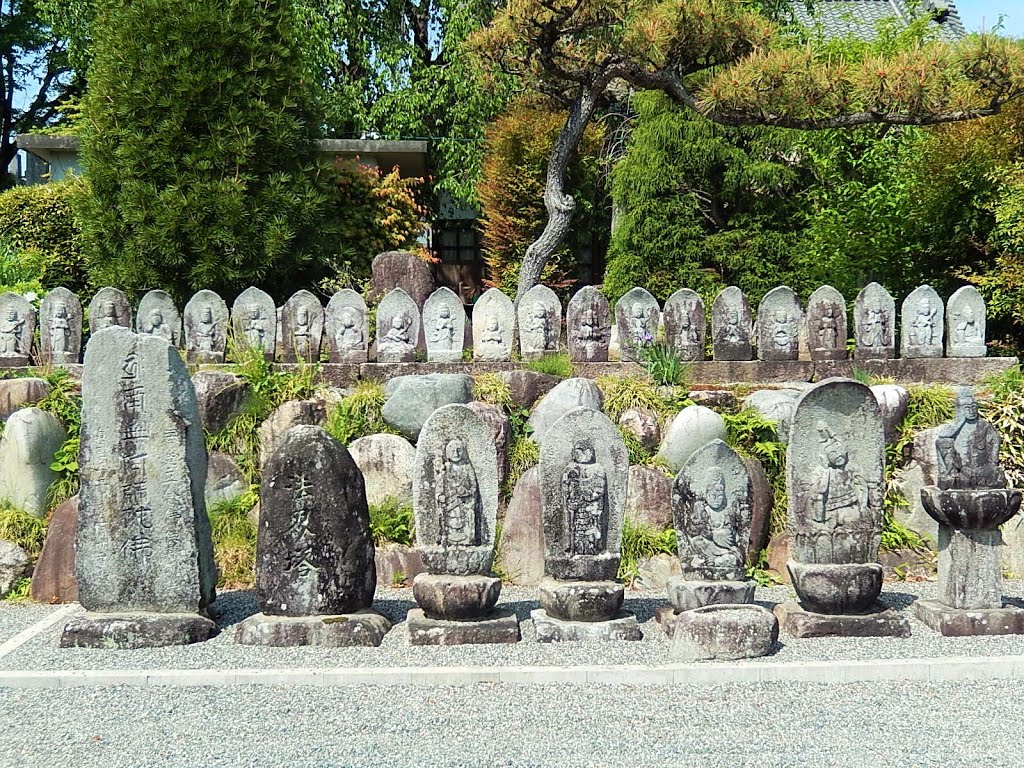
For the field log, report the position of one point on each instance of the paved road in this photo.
(874, 725)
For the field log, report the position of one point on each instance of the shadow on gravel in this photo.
(643, 607)
(233, 607)
(897, 600)
(394, 610)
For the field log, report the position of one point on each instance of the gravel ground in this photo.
(15, 617)
(784, 724)
(43, 652)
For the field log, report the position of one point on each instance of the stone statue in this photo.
(968, 449)
(206, 331)
(589, 334)
(302, 334)
(584, 487)
(255, 327)
(492, 333)
(828, 328)
(688, 335)
(922, 329)
(713, 525)
(108, 316)
(157, 326)
(874, 334)
(782, 330)
(457, 497)
(60, 329)
(966, 329)
(11, 330)
(350, 334)
(539, 326)
(444, 328)
(732, 331)
(396, 340)
(639, 326)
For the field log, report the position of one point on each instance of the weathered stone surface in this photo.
(724, 633)
(581, 600)
(108, 308)
(17, 326)
(874, 324)
(455, 493)
(254, 321)
(143, 456)
(397, 564)
(498, 425)
(967, 450)
(206, 328)
(221, 396)
(778, 556)
(685, 324)
(224, 480)
(686, 594)
(692, 427)
(720, 399)
(922, 471)
(922, 324)
(314, 551)
(157, 315)
(588, 326)
(642, 424)
(826, 324)
(444, 326)
(637, 317)
(456, 598)
(53, 580)
(404, 270)
(1013, 547)
(348, 327)
(360, 629)
(60, 328)
(494, 318)
(129, 630)
(892, 402)
(732, 327)
(540, 322)
(878, 622)
(500, 626)
(649, 497)
(836, 587)
(584, 473)
(762, 500)
(656, 571)
(386, 463)
(552, 630)
(398, 328)
(776, 405)
(521, 548)
(778, 325)
(970, 568)
(527, 387)
(568, 395)
(15, 564)
(19, 392)
(302, 328)
(30, 439)
(954, 622)
(965, 323)
(287, 415)
(411, 399)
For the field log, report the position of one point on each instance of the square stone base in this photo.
(796, 621)
(365, 628)
(957, 622)
(552, 630)
(497, 627)
(14, 361)
(136, 630)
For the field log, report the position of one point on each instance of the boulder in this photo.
(527, 387)
(693, 427)
(29, 442)
(719, 399)
(892, 401)
(400, 269)
(654, 572)
(569, 394)
(919, 472)
(397, 565)
(723, 632)
(776, 405)
(386, 462)
(15, 564)
(762, 501)
(649, 497)
(411, 399)
(497, 423)
(221, 395)
(15, 393)
(224, 480)
(642, 424)
(521, 547)
(287, 415)
(53, 580)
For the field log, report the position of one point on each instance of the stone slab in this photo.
(552, 630)
(954, 622)
(136, 630)
(501, 626)
(363, 628)
(881, 622)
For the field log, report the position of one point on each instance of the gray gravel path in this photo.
(795, 724)
(15, 617)
(43, 652)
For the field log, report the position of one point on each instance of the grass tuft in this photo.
(359, 414)
(20, 528)
(392, 523)
(642, 541)
(491, 388)
(553, 365)
(234, 540)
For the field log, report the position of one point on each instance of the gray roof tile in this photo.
(840, 18)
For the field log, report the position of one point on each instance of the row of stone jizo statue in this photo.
(439, 331)
(146, 572)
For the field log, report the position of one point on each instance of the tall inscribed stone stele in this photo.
(144, 562)
(584, 470)
(970, 502)
(455, 502)
(835, 480)
(315, 574)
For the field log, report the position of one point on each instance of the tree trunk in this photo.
(559, 204)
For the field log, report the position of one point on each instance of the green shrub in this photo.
(1004, 407)
(65, 402)
(639, 542)
(553, 365)
(392, 522)
(21, 528)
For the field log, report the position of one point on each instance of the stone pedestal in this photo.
(686, 595)
(958, 622)
(622, 626)
(583, 610)
(723, 632)
(878, 621)
(364, 628)
(14, 361)
(136, 630)
(458, 610)
(496, 627)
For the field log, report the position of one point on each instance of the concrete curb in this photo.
(938, 669)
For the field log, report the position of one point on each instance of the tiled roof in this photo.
(841, 18)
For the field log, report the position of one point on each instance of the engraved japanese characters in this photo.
(540, 322)
(922, 324)
(826, 324)
(206, 328)
(874, 324)
(778, 325)
(158, 316)
(398, 328)
(254, 321)
(347, 327)
(17, 326)
(494, 319)
(965, 323)
(588, 326)
(685, 324)
(60, 327)
(444, 326)
(302, 328)
(732, 325)
(109, 307)
(637, 317)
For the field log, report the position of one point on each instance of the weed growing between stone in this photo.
(392, 523)
(760, 573)
(640, 542)
(23, 529)
(64, 402)
(21, 592)
(751, 434)
(553, 365)
(1003, 405)
(664, 365)
(523, 453)
(358, 414)
(234, 540)
(622, 393)
(491, 388)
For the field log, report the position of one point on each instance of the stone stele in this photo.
(17, 327)
(685, 324)
(398, 328)
(302, 326)
(145, 565)
(315, 574)
(637, 316)
(109, 307)
(778, 325)
(254, 321)
(30, 439)
(826, 324)
(348, 327)
(444, 326)
(206, 328)
(874, 324)
(731, 325)
(494, 319)
(540, 323)
(922, 324)
(158, 316)
(588, 326)
(965, 323)
(60, 328)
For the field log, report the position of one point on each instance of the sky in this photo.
(982, 14)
